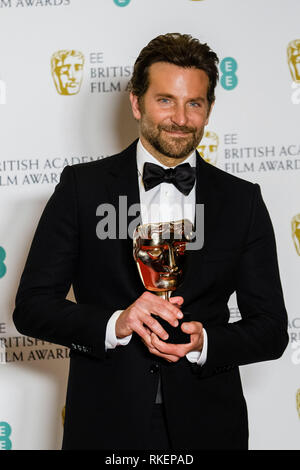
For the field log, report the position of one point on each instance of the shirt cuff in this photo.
(111, 341)
(199, 357)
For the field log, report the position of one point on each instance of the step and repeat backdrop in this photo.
(64, 71)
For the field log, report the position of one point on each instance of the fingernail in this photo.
(179, 315)
(175, 323)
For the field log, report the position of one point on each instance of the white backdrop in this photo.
(254, 129)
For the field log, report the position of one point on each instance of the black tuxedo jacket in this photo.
(111, 394)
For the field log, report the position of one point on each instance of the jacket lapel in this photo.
(123, 191)
(122, 177)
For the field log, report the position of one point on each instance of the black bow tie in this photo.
(182, 176)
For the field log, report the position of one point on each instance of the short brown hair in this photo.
(178, 49)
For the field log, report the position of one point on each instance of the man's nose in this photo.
(179, 115)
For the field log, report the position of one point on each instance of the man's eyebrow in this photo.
(199, 98)
(169, 95)
(164, 95)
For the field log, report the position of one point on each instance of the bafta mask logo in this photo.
(208, 147)
(296, 232)
(293, 58)
(67, 71)
(298, 401)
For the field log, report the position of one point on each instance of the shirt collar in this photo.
(143, 156)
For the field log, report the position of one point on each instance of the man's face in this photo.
(174, 110)
(69, 74)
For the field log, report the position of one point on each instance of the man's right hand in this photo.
(137, 317)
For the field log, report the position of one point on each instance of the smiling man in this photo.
(173, 111)
(129, 388)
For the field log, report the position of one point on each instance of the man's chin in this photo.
(175, 152)
(177, 146)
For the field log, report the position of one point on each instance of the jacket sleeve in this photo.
(261, 334)
(42, 310)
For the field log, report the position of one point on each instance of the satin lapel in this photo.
(123, 190)
(122, 180)
(210, 196)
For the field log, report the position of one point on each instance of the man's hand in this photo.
(173, 352)
(137, 317)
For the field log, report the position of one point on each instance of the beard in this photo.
(168, 145)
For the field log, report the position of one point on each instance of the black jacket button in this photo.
(154, 368)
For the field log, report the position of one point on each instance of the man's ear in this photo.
(209, 112)
(135, 106)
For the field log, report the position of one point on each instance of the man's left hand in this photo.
(174, 352)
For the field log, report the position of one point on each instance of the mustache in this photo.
(175, 128)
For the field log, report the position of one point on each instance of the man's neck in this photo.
(161, 158)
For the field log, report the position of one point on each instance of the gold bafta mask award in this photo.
(296, 232)
(293, 57)
(67, 71)
(159, 250)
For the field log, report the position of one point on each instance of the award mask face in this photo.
(293, 57)
(208, 147)
(67, 71)
(296, 232)
(159, 251)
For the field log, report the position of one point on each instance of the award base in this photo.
(176, 335)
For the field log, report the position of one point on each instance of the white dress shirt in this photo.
(163, 203)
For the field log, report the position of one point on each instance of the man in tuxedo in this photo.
(128, 388)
